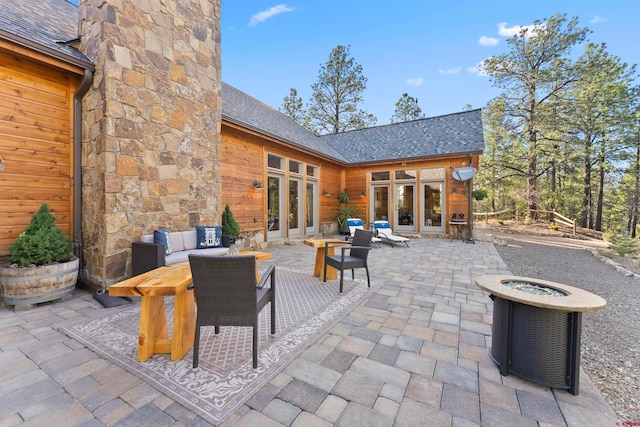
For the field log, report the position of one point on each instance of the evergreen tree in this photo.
(406, 109)
(293, 107)
(333, 106)
(536, 70)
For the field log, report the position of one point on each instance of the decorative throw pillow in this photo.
(209, 236)
(162, 237)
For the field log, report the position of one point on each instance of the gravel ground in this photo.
(610, 337)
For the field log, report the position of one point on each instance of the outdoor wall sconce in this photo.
(454, 191)
(1, 164)
(257, 184)
(325, 193)
(362, 194)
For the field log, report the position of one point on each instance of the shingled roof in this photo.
(459, 133)
(246, 111)
(44, 26)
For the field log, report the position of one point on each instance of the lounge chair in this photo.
(357, 224)
(386, 233)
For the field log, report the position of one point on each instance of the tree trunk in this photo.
(601, 173)
(532, 180)
(633, 218)
(587, 202)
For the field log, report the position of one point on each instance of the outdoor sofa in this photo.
(152, 252)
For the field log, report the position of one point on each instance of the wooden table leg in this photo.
(153, 336)
(184, 324)
(318, 269)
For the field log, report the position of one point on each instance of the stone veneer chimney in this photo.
(151, 125)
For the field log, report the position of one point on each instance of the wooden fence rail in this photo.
(553, 216)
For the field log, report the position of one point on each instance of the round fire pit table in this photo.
(536, 328)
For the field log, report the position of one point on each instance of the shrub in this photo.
(41, 243)
(230, 226)
(624, 244)
(501, 222)
(554, 227)
(343, 197)
(479, 194)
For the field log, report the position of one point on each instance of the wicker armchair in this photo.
(226, 295)
(357, 258)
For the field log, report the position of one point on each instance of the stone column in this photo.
(151, 125)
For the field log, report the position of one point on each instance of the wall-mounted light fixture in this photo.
(257, 184)
(362, 194)
(454, 191)
(325, 193)
(1, 164)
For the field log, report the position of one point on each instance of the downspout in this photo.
(87, 79)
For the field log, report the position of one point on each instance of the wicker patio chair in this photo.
(226, 295)
(357, 257)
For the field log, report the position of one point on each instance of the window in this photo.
(312, 171)
(275, 162)
(294, 167)
(432, 174)
(405, 174)
(380, 176)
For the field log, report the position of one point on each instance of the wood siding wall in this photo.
(36, 144)
(358, 182)
(244, 159)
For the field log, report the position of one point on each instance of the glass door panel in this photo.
(311, 214)
(433, 201)
(380, 205)
(405, 207)
(274, 206)
(295, 206)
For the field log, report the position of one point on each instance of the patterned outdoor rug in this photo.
(306, 308)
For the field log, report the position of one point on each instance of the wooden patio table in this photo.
(319, 244)
(152, 287)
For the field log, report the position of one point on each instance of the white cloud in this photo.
(506, 31)
(449, 71)
(478, 69)
(597, 20)
(415, 82)
(269, 13)
(488, 41)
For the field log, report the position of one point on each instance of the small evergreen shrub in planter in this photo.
(230, 228)
(41, 264)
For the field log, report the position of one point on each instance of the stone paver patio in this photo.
(414, 353)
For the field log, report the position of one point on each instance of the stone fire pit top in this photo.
(575, 300)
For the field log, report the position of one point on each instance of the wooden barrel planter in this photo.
(27, 286)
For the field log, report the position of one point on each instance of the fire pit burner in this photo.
(534, 288)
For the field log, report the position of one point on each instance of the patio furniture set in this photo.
(226, 289)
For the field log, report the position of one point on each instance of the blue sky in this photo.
(425, 48)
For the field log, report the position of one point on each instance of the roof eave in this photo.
(37, 47)
(414, 158)
(279, 138)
